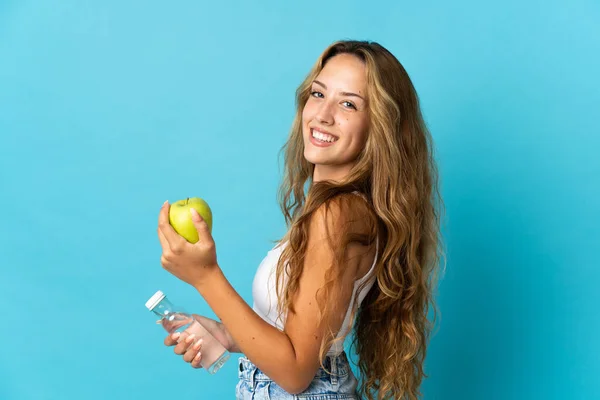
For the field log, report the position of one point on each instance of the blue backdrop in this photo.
(109, 108)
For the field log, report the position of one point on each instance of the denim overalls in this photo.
(342, 384)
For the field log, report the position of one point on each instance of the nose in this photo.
(324, 114)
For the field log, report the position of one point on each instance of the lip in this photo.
(317, 143)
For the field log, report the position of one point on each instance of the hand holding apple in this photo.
(180, 217)
(190, 262)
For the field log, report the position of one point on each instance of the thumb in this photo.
(201, 225)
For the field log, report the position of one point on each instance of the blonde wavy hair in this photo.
(397, 176)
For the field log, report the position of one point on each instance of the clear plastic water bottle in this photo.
(175, 319)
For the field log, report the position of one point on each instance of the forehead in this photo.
(344, 72)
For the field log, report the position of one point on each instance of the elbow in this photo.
(295, 388)
(296, 384)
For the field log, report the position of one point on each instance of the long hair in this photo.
(397, 176)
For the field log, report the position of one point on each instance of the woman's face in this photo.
(336, 113)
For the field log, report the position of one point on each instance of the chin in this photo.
(310, 158)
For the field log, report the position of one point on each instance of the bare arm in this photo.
(290, 358)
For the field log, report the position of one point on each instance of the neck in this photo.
(334, 173)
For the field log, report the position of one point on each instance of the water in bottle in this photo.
(175, 319)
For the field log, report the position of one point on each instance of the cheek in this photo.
(305, 121)
(364, 132)
(354, 128)
(307, 113)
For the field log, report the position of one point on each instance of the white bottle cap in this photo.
(154, 300)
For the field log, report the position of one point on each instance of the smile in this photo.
(322, 137)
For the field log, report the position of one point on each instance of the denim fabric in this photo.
(255, 385)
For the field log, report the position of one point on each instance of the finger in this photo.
(172, 237)
(197, 360)
(184, 343)
(163, 241)
(165, 263)
(171, 340)
(201, 226)
(192, 351)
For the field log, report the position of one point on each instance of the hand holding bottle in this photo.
(190, 347)
(189, 335)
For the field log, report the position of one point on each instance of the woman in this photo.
(361, 250)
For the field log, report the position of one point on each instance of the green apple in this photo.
(180, 217)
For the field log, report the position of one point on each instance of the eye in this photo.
(315, 93)
(349, 105)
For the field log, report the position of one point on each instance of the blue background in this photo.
(109, 108)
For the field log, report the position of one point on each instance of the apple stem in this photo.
(187, 200)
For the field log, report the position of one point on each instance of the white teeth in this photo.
(323, 137)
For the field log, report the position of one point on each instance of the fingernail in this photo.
(197, 357)
(198, 344)
(175, 336)
(190, 338)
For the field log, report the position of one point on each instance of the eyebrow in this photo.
(349, 94)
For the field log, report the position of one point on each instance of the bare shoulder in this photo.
(348, 217)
